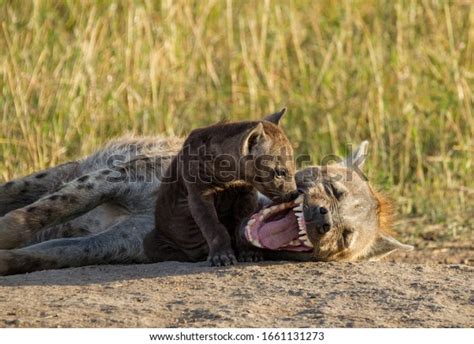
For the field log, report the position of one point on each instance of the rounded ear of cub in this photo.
(275, 117)
(254, 138)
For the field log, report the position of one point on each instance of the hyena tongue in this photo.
(276, 234)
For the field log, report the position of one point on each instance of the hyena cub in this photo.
(209, 189)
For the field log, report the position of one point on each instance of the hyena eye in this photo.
(281, 172)
(338, 190)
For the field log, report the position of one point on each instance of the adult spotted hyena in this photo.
(99, 210)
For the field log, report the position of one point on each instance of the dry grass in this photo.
(73, 74)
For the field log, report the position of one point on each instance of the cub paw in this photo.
(222, 259)
(291, 196)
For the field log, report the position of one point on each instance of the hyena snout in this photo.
(318, 218)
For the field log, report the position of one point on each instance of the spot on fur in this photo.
(72, 198)
(9, 185)
(41, 175)
(83, 178)
(89, 186)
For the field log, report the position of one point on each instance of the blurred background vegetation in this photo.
(74, 74)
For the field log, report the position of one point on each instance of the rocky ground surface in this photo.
(414, 291)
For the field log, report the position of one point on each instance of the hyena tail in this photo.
(120, 244)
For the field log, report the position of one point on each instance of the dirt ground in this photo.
(369, 294)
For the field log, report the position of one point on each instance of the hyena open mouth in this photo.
(279, 227)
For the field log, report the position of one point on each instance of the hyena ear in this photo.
(253, 139)
(357, 158)
(384, 245)
(275, 117)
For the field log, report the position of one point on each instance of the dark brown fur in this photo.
(208, 189)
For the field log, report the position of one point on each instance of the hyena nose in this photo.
(325, 228)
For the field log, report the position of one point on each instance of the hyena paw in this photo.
(223, 258)
(12, 232)
(6, 258)
(250, 255)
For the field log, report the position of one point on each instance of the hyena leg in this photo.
(93, 222)
(70, 201)
(63, 230)
(245, 205)
(120, 244)
(20, 192)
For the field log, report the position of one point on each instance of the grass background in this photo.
(74, 74)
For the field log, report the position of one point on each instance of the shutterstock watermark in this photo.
(203, 165)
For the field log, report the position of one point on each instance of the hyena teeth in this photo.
(251, 222)
(299, 200)
(294, 243)
(302, 233)
(248, 234)
(298, 208)
(308, 243)
(266, 212)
